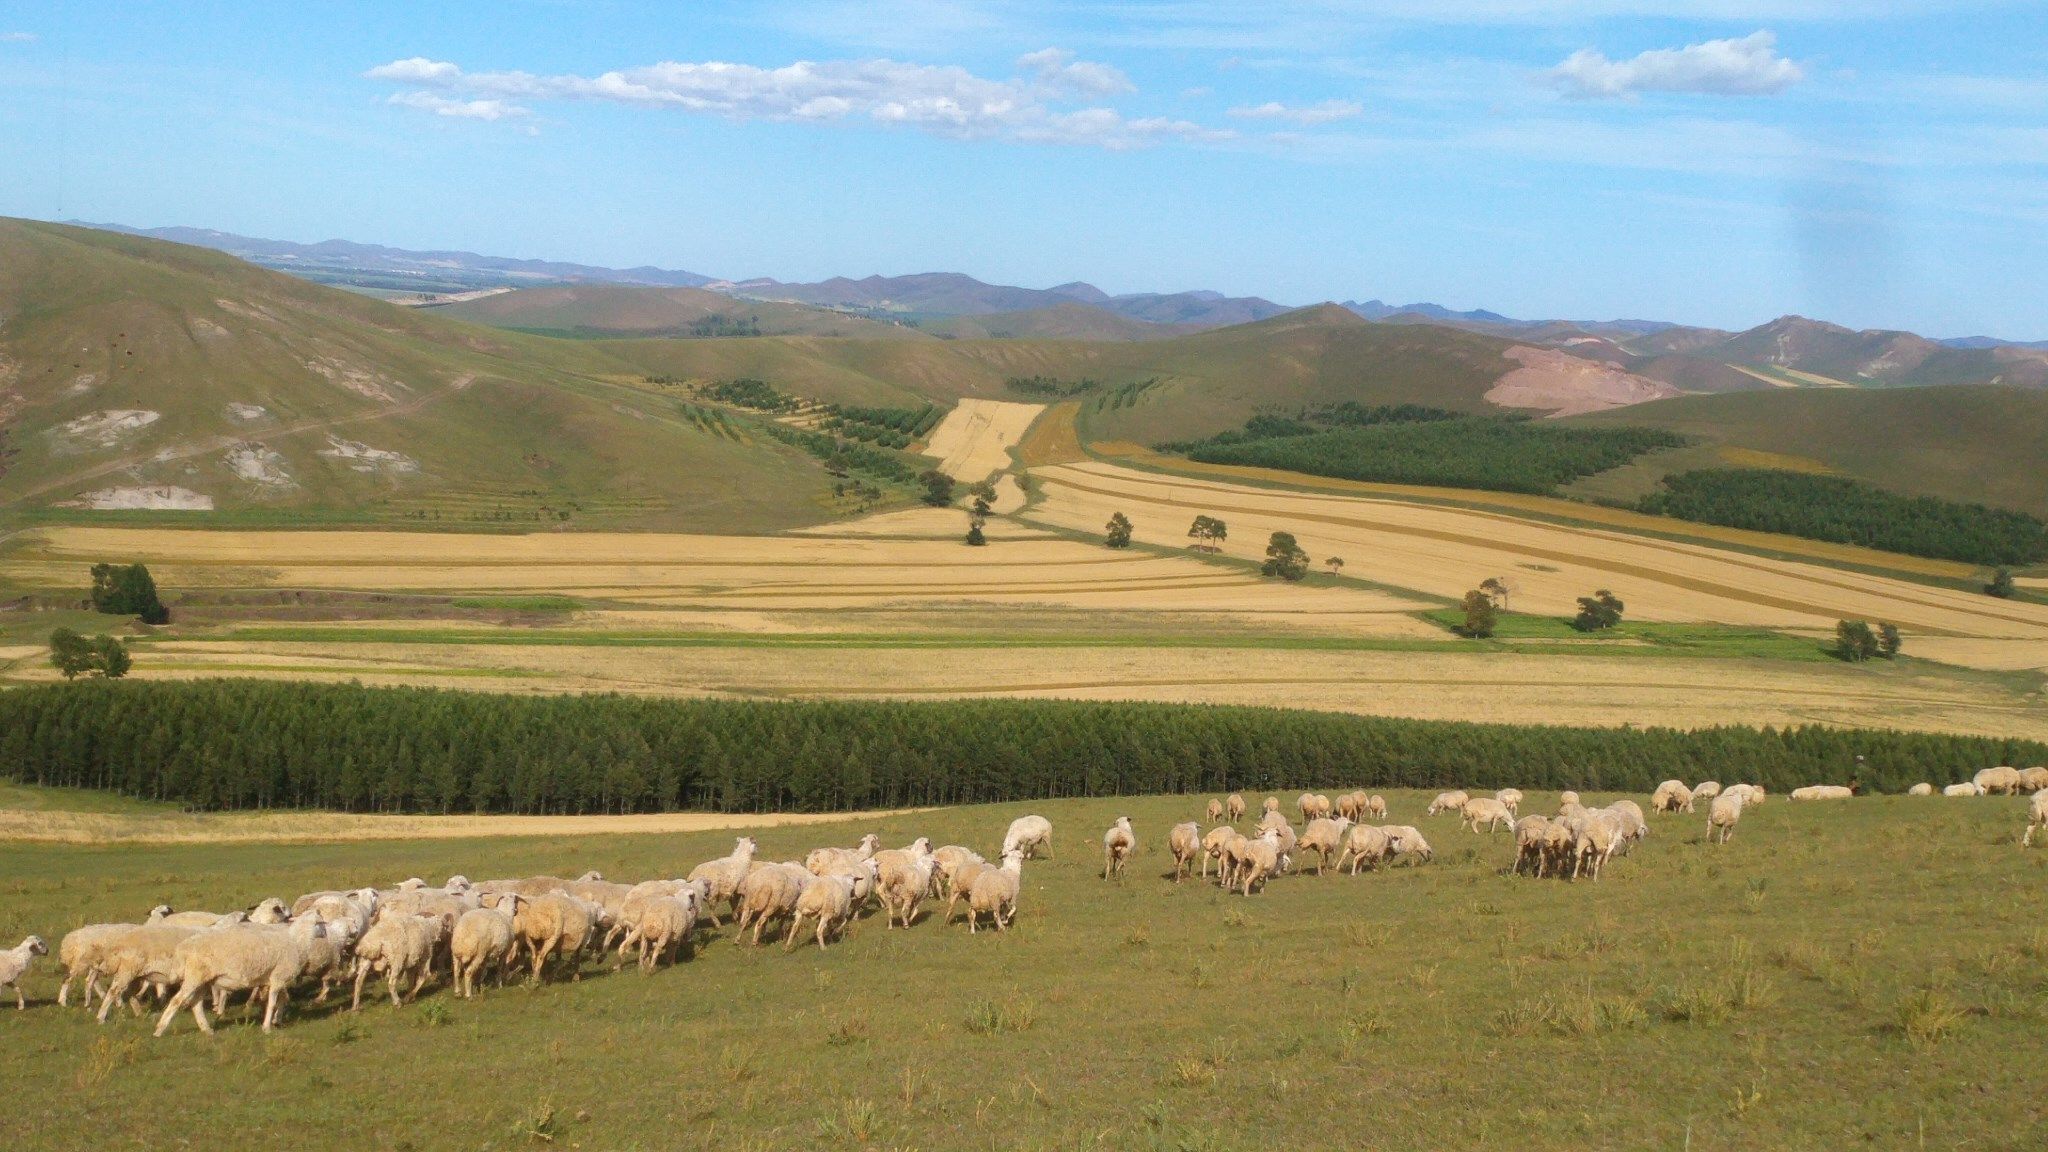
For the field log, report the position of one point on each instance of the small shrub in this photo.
(1929, 1017)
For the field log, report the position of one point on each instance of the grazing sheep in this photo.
(1968, 788)
(483, 940)
(770, 892)
(1566, 799)
(554, 923)
(1285, 835)
(243, 958)
(1598, 835)
(1119, 844)
(1376, 806)
(1323, 836)
(1486, 810)
(1751, 795)
(946, 864)
(2037, 816)
(1532, 839)
(1447, 802)
(1723, 816)
(964, 876)
(1214, 811)
(2000, 781)
(995, 892)
(1364, 845)
(83, 954)
(721, 877)
(1258, 861)
(1403, 840)
(1921, 789)
(1634, 828)
(1510, 799)
(829, 899)
(1231, 858)
(1351, 805)
(1213, 845)
(401, 947)
(1269, 804)
(1233, 806)
(1272, 821)
(1306, 804)
(146, 954)
(1028, 834)
(1185, 842)
(1706, 790)
(2033, 779)
(14, 965)
(1822, 792)
(821, 860)
(1671, 796)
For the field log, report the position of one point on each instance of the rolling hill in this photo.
(142, 375)
(588, 310)
(954, 294)
(1067, 321)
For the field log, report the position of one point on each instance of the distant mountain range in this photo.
(1697, 359)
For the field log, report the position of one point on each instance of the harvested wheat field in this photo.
(973, 442)
(1444, 551)
(1567, 688)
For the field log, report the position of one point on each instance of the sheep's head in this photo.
(270, 910)
(922, 846)
(745, 846)
(159, 912)
(457, 885)
(411, 883)
(590, 877)
(36, 946)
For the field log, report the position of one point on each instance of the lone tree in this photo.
(75, 655)
(1208, 533)
(1888, 642)
(1598, 612)
(938, 488)
(1496, 589)
(1481, 616)
(1285, 557)
(1855, 642)
(2001, 584)
(1117, 533)
(1336, 564)
(978, 515)
(127, 590)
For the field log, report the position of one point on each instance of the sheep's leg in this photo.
(355, 1003)
(823, 925)
(273, 1008)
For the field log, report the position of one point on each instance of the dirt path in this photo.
(250, 827)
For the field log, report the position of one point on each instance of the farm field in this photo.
(1695, 997)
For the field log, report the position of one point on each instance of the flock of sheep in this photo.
(473, 932)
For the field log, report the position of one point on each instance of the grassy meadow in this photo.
(1840, 974)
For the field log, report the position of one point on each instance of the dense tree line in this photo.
(909, 421)
(1845, 511)
(747, 392)
(1309, 421)
(230, 744)
(1503, 454)
(843, 456)
(1051, 387)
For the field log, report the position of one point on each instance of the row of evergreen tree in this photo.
(1846, 511)
(237, 744)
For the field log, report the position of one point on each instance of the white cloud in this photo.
(1326, 112)
(491, 110)
(943, 100)
(1749, 66)
(18, 37)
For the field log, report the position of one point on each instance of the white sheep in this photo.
(1723, 815)
(483, 940)
(1998, 781)
(721, 877)
(1364, 845)
(1566, 799)
(1822, 792)
(2037, 816)
(1269, 804)
(830, 900)
(1213, 844)
(1324, 836)
(82, 954)
(1258, 860)
(1532, 838)
(554, 923)
(1119, 844)
(244, 958)
(2033, 779)
(1376, 806)
(1233, 806)
(1511, 799)
(1671, 796)
(1921, 789)
(1403, 840)
(1967, 788)
(1028, 834)
(995, 892)
(401, 946)
(1751, 795)
(770, 892)
(145, 954)
(905, 882)
(1447, 802)
(821, 860)
(1215, 810)
(1598, 834)
(1706, 790)
(946, 862)
(665, 925)
(14, 965)
(1185, 842)
(1485, 810)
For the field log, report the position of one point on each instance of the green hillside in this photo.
(138, 372)
(1059, 322)
(595, 310)
(1972, 443)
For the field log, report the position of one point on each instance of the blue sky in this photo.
(1880, 163)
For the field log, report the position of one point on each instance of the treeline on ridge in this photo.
(1505, 454)
(240, 744)
(1846, 511)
